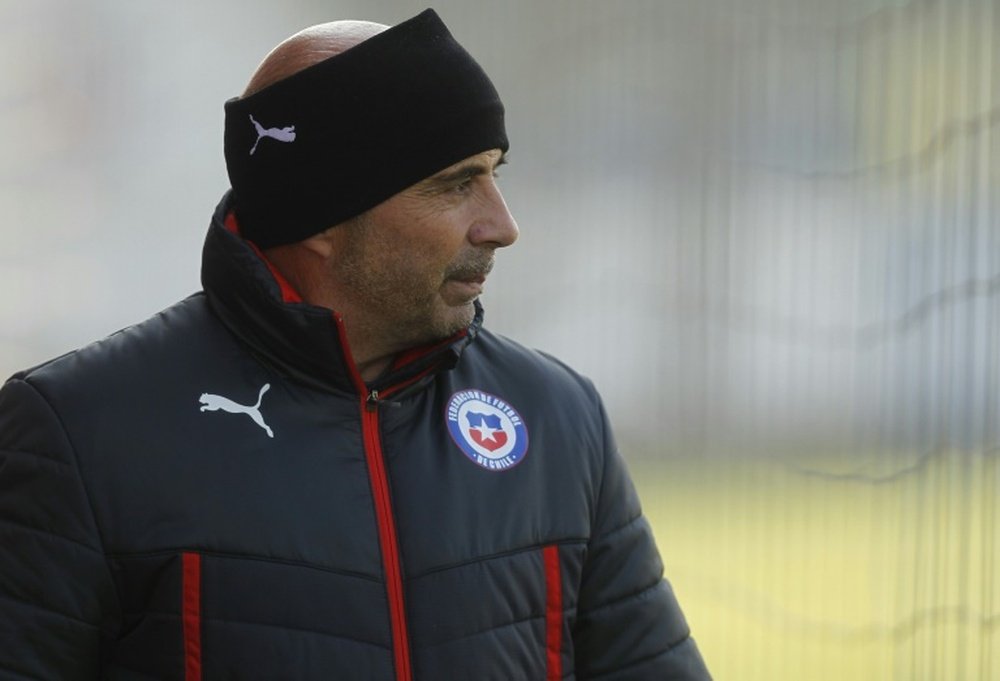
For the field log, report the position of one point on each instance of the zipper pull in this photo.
(371, 402)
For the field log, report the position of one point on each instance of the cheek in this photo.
(427, 261)
(420, 250)
(408, 273)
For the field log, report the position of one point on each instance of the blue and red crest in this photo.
(487, 429)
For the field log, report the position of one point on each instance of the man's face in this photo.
(416, 262)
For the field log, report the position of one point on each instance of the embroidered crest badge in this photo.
(487, 429)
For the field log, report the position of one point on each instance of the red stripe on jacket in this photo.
(553, 613)
(191, 615)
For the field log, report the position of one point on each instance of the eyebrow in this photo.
(466, 171)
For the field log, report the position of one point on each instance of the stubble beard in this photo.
(400, 306)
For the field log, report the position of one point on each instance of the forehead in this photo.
(427, 194)
(485, 161)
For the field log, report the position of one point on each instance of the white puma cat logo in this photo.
(280, 134)
(215, 402)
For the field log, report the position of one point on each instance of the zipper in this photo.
(384, 517)
(388, 539)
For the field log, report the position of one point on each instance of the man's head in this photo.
(343, 116)
(403, 249)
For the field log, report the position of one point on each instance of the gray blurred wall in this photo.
(759, 226)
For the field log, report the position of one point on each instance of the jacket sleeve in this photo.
(55, 585)
(629, 625)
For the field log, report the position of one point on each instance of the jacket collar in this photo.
(303, 341)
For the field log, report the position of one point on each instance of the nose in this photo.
(494, 226)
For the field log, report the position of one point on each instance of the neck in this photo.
(369, 358)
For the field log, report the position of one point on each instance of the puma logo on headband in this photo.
(280, 134)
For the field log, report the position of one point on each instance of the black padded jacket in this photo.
(216, 494)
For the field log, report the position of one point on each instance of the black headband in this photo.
(342, 136)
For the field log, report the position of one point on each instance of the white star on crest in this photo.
(485, 433)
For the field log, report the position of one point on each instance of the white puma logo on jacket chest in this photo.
(210, 402)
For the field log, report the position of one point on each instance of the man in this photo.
(322, 466)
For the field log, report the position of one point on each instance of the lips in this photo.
(473, 272)
(465, 282)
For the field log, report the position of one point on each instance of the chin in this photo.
(454, 319)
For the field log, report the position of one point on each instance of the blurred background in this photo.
(767, 229)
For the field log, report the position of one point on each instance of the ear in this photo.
(321, 244)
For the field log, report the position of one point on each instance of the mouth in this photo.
(479, 279)
(472, 273)
(468, 287)
(467, 281)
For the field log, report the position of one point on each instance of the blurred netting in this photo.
(830, 508)
(768, 229)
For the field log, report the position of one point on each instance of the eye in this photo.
(462, 186)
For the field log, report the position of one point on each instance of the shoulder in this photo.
(496, 354)
(134, 395)
(155, 346)
(534, 382)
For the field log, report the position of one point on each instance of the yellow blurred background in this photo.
(828, 574)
